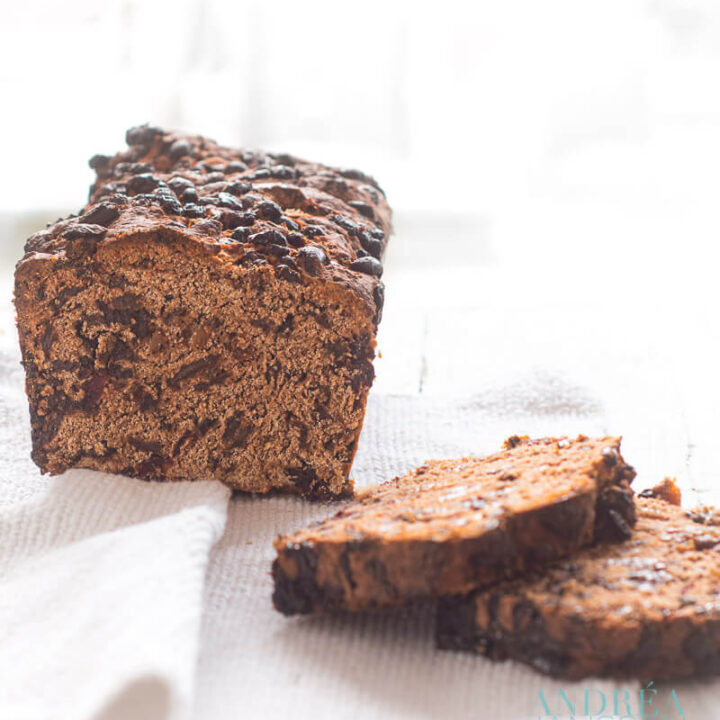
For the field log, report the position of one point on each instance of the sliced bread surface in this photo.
(454, 525)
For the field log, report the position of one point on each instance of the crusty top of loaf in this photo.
(249, 208)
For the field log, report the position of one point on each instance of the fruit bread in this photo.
(453, 525)
(647, 608)
(210, 314)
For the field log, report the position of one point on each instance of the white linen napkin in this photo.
(100, 597)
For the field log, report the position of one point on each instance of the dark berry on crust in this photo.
(368, 265)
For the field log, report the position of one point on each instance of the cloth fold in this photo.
(101, 587)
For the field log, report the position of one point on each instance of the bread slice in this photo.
(454, 525)
(647, 608)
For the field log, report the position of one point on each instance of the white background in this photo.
(579, 139)
(464, 107)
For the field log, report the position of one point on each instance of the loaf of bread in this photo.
(210, 314)
(454, 525)
(647, 608)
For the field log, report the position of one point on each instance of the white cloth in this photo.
(100, 596)
(104, 612)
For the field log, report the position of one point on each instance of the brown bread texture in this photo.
(648, 607)
(454, 525)
(211, 314)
